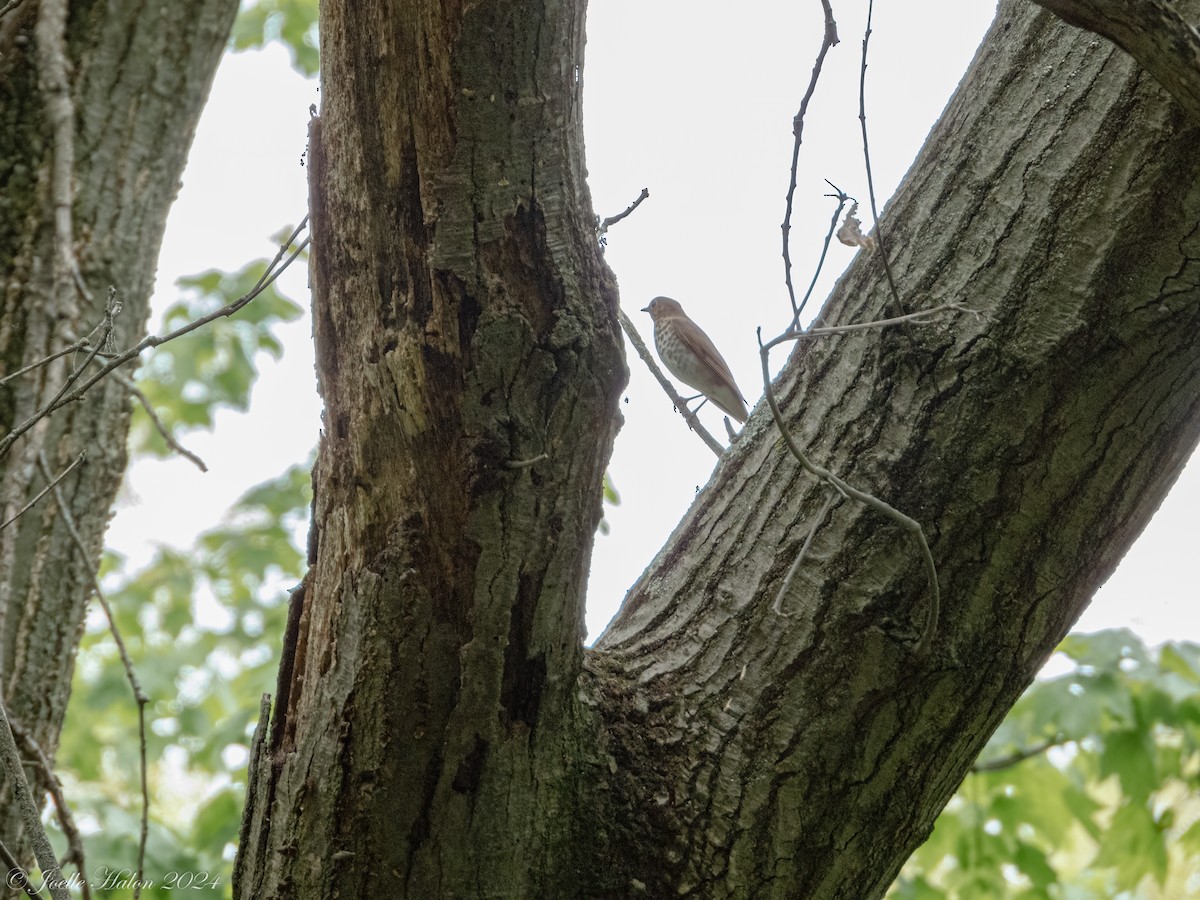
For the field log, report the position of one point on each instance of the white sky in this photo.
(695, 104)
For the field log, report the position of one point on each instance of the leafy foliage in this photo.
(189, 378)
(203, 629)
(612, 498)
(1110, 809)
(202, 626)
(291, 22)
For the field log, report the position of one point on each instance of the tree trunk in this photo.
(470, 362)
(438, 732)
(139, 77)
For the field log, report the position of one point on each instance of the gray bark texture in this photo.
(439, 732)
(1154, 32)
(138, 78)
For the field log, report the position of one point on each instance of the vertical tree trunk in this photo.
(434, 733)
(470, 361)
(139, 78)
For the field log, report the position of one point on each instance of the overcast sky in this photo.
(695, 104)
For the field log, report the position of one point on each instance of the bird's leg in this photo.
(687, 400)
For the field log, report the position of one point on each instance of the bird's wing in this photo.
(700, 344)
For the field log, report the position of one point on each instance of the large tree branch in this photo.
(1153, 32)
(807, 755)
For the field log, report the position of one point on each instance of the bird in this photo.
(690, 355)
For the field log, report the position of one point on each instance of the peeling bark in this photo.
(465, 324)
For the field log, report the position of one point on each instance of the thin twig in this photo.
(128, 384)
(268, 277)
(16, 876)
(78, 345)
(777, 606)
(31, 816)
(525, 463)
(862, 497)
(639, 345)
(66, 820)
(862, 118)
(918, 317)
(138, 695)
(828, 39)
(59, 399)
(9, 7)
(613, 220)
(1006, 762)
(841, 197)
(793, 332)
(690, 417)
(42, 493)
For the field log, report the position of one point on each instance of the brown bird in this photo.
(690, 356)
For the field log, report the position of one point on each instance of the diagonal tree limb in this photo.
(1153, 32)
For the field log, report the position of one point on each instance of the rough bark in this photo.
(1153, 32)
(139, 77)
(435, 734)
(470, 362)
(1059, 196)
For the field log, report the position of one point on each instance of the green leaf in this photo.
(1129, 755)
(291, 22)
(217, 821)
(288, 494)
(1189, 841)
(1183, 660)
(1032, 861)
(1105, 649)
(186, 380)
(1133, 846)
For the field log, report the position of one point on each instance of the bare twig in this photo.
(42, 493)
(613, 220)
(1006, 762)
(794, 332)
(16, 876)
(919, 317)
(62, 398)
(9, 7)
(128, 384)
(78, 345)
(639, 345)
(138, 694)
(868, 500)
(690, 417)
(862, 118)
(525, 463)
(828, 39)
(70, 829)
(841, 197)
(777, 606)
(268, 277)
(31, 816)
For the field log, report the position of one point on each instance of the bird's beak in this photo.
(645, 309)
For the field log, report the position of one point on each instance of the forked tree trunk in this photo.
(139, 77)
(439, 732)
